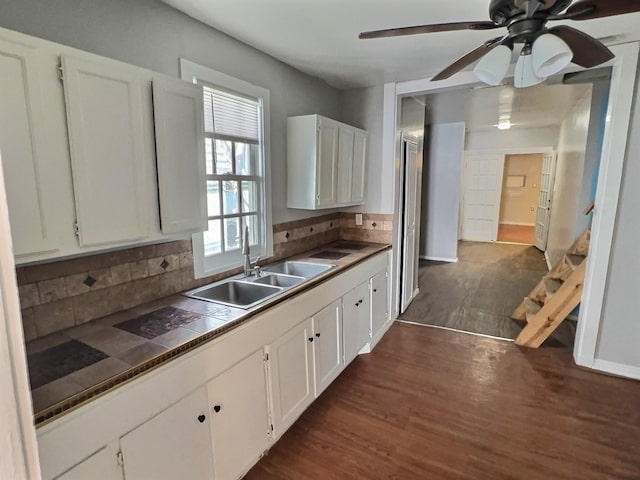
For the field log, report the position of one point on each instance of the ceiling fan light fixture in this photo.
(525, 76)
(550, 54)
(492, 68)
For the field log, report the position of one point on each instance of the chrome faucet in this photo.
(250, 268)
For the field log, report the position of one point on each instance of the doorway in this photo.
(519, 198)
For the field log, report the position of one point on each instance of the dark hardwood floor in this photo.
(435, 404)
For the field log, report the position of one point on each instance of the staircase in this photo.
(555, 296)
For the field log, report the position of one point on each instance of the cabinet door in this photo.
(358, 175)
(345, 164)
(102, 465)
(23, 148)
(239, 417)
(291, 373)
(379, 302)
(179, 120)
(327, 345)
(174, 444)
(355, 321)
(108, 157)
(326, 194)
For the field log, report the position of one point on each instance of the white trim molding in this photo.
(439, 259)
(615, 368)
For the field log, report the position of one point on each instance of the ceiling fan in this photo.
(545, 50)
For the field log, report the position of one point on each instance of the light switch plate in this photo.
(358, 219)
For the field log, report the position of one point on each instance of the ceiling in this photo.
(535, 107)
(320, 37)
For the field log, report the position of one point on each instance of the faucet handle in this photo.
(255, 262)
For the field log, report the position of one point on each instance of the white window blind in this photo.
(232, 116)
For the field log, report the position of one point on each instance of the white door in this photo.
(481, 197)
(379, 302)
(23, 145)
(345, 163)
(179, 125)
(239, 416)
(108, 155)
(543, 215)
(327, 163)
(173, 444)
(411, 221)
(355, 321)
(359, 166)
(101, 465)
(291, 375)
(327, 345)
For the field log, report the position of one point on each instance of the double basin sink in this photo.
(248, 292)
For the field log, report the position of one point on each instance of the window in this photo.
(236, 170)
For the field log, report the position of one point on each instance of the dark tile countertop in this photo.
(72, 367)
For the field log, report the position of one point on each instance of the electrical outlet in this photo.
(358, 219)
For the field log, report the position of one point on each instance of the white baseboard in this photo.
(368, 348)
(615, 368)
(439, 259)
(518, 224)
(546, 259)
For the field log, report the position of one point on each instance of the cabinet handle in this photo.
(357, 304)
(202, 418)
(375, 290)
(217, 408)
(360, 301)
(311, 339)
(318, 335)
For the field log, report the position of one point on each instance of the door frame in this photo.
(623, 80)
(405, 141)
(500, 151)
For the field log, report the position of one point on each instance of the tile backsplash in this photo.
(62, 294)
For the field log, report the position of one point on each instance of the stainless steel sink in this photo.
(235, 293)
(280, 280)
(299, 269)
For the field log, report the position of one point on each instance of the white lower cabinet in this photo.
(379, 302)
(356, 321)
(238, 408)
(174, 444)
(327, 345)
(291, 375)
(101, 465)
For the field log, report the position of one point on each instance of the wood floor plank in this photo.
(435, 404)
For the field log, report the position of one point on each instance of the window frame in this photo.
(208, 265)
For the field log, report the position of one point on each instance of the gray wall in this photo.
(619, 339)
(153, 35)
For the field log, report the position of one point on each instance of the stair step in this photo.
(575, 260)
(581, 245)
(551, 286)
(562, 270)
(532, 307)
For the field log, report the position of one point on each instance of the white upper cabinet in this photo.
(24, 150)
(179, 131)
(108, 154)
(326, 163)
(239, 410)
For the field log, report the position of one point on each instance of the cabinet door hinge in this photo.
(76, 229)
(60, 74)
(266, 357)
(120, 458)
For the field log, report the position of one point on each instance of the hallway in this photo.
(479, 292)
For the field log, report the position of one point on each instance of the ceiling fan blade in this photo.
(469, 58)
(588, 9)
(436, 27)
(587, 51)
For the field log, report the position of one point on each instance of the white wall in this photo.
(444, 149)
(363, 108)
(568, 183)
(619, 338)
(513, 138)
(153, 35)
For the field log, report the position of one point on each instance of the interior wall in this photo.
(442, 170)
(619, 338)
(363, 108)
(518, 204)
(568, 182)
(150, 34)
(519, 138)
